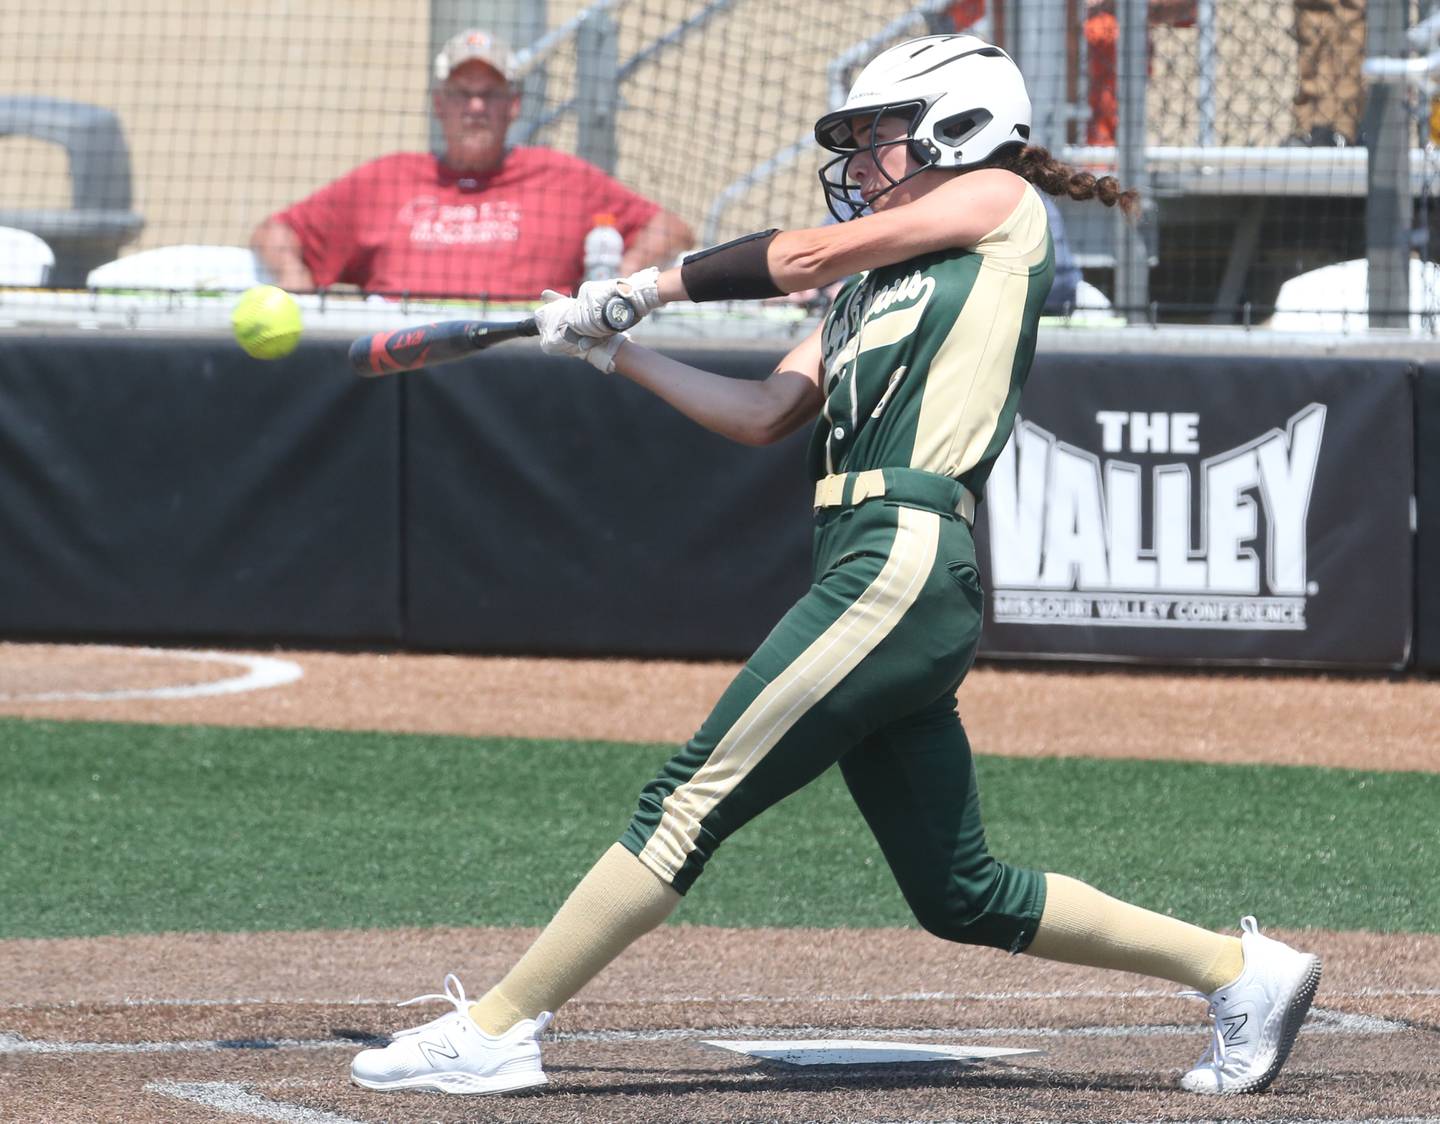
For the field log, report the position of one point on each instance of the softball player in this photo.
(914, 377)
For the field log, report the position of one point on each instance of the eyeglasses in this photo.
(493, 96)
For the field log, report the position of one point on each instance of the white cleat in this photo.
(452, 1054)
(1256, 1018)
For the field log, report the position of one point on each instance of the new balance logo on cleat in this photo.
(1232, 1026)
(442, 1049)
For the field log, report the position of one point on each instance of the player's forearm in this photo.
(957, 213)
(747, 411)
(672, 286)
(278, 248)
(772, 264)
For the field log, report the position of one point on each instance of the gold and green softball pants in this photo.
(862, 672)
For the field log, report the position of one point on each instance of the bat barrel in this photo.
(360, 356)
(408, 349)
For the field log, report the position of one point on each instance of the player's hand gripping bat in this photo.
(408, 349)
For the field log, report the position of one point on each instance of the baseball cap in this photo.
(475, 45)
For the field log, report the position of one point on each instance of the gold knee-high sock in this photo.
(1081, 925)
(619, 901)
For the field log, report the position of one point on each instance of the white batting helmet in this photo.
(965, 100)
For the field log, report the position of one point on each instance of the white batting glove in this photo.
(640, 289)
(558, 335)
(556, 318)
(643, 290)
(600, 354)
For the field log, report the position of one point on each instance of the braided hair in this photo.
(1036, 165)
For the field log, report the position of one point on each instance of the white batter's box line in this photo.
(235, 1001)
(235, 1098)
(261, 673)
(895, 997)
(1384, 992)
(14, 1044)
(1319, 1022)
(1348, 1021)
(766, 1000)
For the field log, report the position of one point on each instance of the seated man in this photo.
(484, 221)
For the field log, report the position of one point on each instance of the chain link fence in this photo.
(135, 127)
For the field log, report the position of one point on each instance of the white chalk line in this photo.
(229, 1096)
(261, 673)
(1321, 1021)
(14, 1045)
(997, 996)
(763, 1000)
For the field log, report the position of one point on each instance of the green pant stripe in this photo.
(783, 701)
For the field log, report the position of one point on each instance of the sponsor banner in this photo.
(1195, 509)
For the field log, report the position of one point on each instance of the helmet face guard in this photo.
(837, 133)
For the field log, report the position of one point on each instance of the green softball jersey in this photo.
(924, 360)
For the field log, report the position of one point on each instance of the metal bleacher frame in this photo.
(100, 219)
(1229, 191)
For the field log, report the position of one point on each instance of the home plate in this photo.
(839, 1051)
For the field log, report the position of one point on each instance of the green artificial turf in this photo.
(109, 828)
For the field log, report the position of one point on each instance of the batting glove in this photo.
(558, 334)
(556, 319)
(600, 354)
(640, 289)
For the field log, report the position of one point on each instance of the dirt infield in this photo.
(1352, 722)
(236, 1027)
(172, 1027)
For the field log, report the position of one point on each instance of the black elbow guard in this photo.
(732, 271)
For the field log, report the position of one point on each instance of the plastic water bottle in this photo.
(604, 247)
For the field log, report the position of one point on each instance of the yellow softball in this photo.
(267, 322)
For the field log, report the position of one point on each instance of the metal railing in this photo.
(599, 75)
(838, 73)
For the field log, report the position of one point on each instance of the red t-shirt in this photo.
(406, 223)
